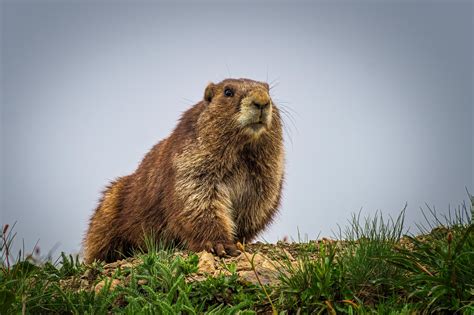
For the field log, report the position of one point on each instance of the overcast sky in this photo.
(380, 97)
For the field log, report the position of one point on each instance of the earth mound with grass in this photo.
(373, 267)
(258, 264)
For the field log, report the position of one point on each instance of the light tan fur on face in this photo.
(250, 114)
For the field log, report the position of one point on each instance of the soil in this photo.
(258, 263)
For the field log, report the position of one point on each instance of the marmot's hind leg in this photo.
(103, 241)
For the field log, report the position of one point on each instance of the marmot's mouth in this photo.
(256, 126)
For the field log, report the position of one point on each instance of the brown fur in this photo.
(215, 180)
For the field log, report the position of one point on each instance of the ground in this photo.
(373, 267)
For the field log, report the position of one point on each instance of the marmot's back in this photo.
(215, 180)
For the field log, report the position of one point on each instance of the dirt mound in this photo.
(259, 262)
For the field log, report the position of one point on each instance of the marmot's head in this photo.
(242, 103)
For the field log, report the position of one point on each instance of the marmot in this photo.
(217, 179)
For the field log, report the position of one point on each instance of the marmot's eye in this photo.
(228, 92)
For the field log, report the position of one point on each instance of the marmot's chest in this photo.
(249, 190)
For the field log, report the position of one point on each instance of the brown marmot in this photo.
(216, 180)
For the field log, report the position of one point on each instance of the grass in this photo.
(377, 269)
(374, 268)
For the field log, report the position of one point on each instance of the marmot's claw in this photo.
(222, 249)
(232, 250)
(209, 248)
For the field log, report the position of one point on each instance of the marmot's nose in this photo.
(260, 99)
(260, 105)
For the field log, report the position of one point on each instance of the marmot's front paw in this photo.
(222, 248)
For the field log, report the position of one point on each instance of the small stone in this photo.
(265, 277)
(99, 286)
(206, 263)
(195, 278)
(248, 276)
(142, 282)
(257, 259)
(244, 265)
(127, 265)
(268, 264)
(113, 265)
(246, 262)
(131, 263)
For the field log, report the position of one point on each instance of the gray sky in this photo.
(380, 95)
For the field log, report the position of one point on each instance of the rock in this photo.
(268, 264)
(99, 286)
(142, 282)
(127, 265)
(206, 263)
(266, 276)
(257, 258)
(264, 267)
(195, 278)
(124, 263)
(133, 263)
(248, 276)
(113, 265)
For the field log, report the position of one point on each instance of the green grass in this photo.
(372, 271)
(374, 268)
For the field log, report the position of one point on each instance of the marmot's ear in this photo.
(209, 92)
